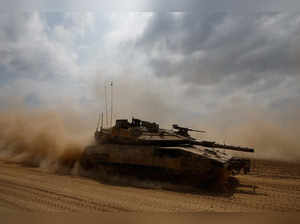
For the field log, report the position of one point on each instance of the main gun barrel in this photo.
(196, 130)
(222, 146)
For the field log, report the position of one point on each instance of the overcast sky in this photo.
(188, 58)
(215, 65)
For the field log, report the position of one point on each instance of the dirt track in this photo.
(30, 189)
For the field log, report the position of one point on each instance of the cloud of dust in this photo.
(270, 139)
(41, 139)
(273, 134)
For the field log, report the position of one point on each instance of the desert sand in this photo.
(33, 189)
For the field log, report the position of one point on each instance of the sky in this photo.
(218, 68)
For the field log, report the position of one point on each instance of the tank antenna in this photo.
(106, 114)
(101, 121)
(111, 98)
(97, 128)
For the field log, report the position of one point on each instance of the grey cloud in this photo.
(212, 47)
(27, 52)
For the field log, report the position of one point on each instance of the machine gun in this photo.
(210, 144)
(184, 131)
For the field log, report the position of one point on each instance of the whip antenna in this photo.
(111, 98)
(97, 128)
(106, 114)
(101, 121)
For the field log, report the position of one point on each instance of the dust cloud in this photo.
(273, 134)
(270, 139)
(41, 138)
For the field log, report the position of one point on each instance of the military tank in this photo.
(144, 150)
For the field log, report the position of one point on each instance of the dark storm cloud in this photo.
(205, 49)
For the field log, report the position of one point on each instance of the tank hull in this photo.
(179, 165)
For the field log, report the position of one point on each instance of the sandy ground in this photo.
(32, 189)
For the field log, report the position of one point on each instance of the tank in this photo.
(144, 150)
